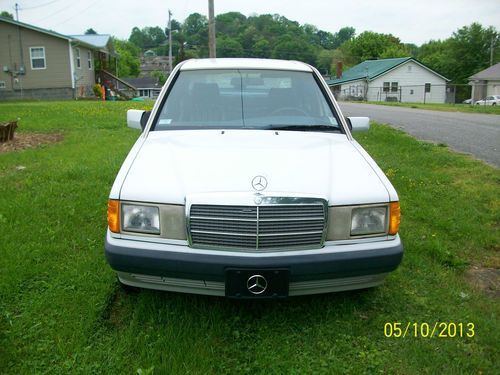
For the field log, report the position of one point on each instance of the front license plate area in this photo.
(257, 283)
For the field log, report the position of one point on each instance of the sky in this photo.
(416, 21)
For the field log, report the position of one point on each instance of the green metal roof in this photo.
(371, 69)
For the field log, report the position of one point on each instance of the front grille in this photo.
(257, 227)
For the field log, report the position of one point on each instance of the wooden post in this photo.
(7, 130)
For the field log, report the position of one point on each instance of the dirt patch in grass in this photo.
(23, 141)
(485, 279)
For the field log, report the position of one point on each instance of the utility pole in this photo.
(211, 30)
(17, 12)
(169, 41)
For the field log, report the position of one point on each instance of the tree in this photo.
(229, 47)
(162, 78)
(290, 48)
(90, 31)
(6, 15)
(147, 37)
(343, 35)
(466, 52)
(371, 46)
(230, 24)
(128, 61)
(262, 48)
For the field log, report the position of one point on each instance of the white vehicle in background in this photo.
(489, 100)
(246, 182)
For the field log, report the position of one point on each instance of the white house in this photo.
(485, 82)
(402, 79)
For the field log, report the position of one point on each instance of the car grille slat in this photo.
(257, 227)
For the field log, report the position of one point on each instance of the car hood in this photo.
(171, 165)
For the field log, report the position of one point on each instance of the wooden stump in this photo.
(7, 130)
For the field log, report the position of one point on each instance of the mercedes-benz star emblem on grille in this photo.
(259, 183)
(257, 199)
(257, 284)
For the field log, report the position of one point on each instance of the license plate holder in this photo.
(257, 283)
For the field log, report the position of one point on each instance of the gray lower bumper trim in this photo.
(216, 288)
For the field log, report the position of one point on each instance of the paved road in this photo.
(476, 134)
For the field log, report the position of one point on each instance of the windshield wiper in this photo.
(305, 128)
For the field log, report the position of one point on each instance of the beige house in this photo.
(42, 64)
(485, 83)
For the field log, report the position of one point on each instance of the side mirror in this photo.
(358, 124)
(134, 117)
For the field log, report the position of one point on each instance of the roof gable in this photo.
(97, 41)
(491, 73)
(371, 69)
(35, 28)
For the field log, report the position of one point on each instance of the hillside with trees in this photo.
(464, 53)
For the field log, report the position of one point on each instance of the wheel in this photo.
(494, 104)
(289, 110)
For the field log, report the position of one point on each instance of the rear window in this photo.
(244, 99)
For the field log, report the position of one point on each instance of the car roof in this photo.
(232, 63)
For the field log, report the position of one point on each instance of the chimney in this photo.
(338, 69)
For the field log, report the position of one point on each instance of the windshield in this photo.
(245, 99)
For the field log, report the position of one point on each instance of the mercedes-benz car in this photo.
(246, 182)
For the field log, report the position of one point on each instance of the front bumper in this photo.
(180, 268)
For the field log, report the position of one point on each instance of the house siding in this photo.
(409, 80)
(57, 72)
(84, 77)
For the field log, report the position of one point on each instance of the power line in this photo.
(57, 12)
(39, 6)
(79, 13)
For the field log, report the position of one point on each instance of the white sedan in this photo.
(247, 183)
(489, 100)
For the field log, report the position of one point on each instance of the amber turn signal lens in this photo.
(394, 218)
(114, 215)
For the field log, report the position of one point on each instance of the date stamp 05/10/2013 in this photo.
(429, 330)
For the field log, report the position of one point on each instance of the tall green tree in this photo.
(466, 52)
(128, 61)
(371, 46)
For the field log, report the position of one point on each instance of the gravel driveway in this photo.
(476, 134)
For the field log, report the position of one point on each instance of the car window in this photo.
(239, 98)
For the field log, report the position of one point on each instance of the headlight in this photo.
(144, 219)
(368, 220)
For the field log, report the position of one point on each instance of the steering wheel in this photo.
(289, 110)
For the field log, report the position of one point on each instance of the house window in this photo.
(409, 68)
(2, 84)
(386, 86)
(37, 56)
(89, 59)
(411, 92)
(394, 87)
(427, 87)
(78, 61)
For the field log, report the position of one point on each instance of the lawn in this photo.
(61, 310)
(490, 109)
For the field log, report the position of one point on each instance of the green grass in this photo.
(62, 312)
(489, 109)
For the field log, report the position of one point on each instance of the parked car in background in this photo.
(489, 100)
(246, 182)
(467, 101)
